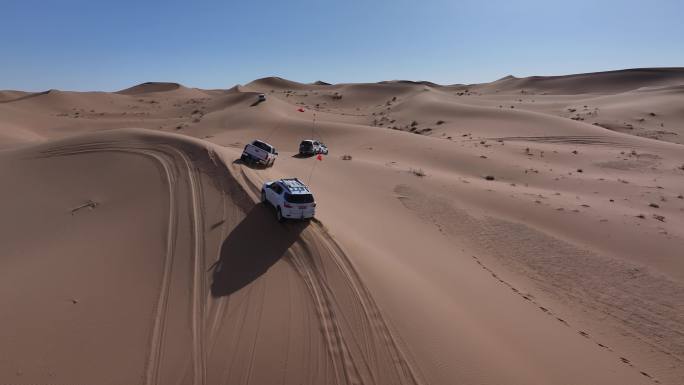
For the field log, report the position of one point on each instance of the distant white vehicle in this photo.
(312, 147)
(261, 97)
(259, 152)
(290, 197)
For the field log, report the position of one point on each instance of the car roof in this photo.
(294, 186)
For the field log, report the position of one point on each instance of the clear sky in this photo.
(109, 45)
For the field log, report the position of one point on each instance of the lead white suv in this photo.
(290, 197)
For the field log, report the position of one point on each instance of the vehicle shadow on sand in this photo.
(302, 156)
(257, 243)
(252, 165)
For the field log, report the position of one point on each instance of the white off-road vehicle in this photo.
(259, 152)
(290, 198)
(312, 147)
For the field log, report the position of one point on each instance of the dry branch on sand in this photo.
(88, 204)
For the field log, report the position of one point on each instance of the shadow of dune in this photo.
(257, 243)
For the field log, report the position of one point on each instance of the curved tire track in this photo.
(169, 158)
(359, 341)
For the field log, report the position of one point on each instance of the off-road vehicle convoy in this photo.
(259, 152)
(312, 147)
(290, 197)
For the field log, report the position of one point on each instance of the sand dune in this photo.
(275, 82)
(479, 234)
(13, 96)
(596, 82)
(150, 87)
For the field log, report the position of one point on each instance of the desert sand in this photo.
(523, 231)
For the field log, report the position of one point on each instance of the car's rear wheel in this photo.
(279, 215)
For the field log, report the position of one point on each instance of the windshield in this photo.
(262, 145)
(299, 198)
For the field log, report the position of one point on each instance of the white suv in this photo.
(290, 197)
(312, 147)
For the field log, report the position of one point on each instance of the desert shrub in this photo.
(418, 172)
(346, 157)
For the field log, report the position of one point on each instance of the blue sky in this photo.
(97, 45)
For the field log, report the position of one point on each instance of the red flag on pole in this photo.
(319, 157)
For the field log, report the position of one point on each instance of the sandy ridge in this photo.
(315, 256)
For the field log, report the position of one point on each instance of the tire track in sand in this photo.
(377, 357)
(365, 352)
(167, 156)
(198, 281)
